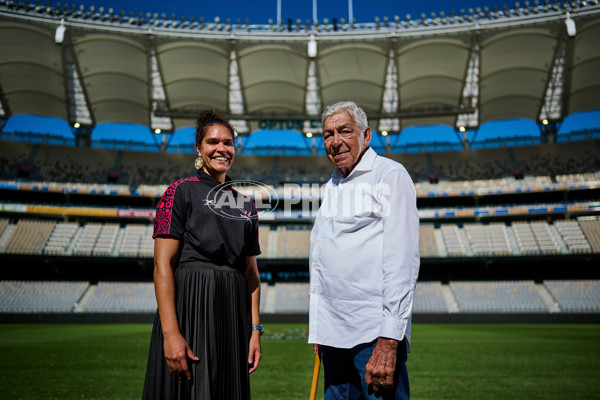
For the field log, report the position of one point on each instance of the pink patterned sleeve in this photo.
(169, 220)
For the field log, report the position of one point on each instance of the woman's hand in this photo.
(254, 354)
(177, 353)
(253, 280)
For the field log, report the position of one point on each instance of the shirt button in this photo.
(314, 265)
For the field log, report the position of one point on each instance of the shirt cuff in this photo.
(393, 328)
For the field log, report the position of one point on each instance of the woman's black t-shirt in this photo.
(214, 222)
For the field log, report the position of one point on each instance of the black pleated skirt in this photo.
(213, 311)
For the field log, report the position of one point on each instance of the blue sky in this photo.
(259, 12)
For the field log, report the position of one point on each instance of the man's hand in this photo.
(379, 371)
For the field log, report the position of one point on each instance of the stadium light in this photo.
(309, 134)
(76, 125)
(59, 35)
(312, 47)
(545, 121)
(570, 23)
(462, 129)
(384, 133)
(157, 131)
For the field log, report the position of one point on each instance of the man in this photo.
(364, 262)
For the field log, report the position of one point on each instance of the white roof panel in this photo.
(515, 69)
(114, 70)
(31, 70)
(431, 74)
(273, 76)
(585, 79)
(195, 74)
(353, 71)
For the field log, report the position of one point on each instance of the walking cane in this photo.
(315, 379)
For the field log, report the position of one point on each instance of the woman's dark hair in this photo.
(205, 120)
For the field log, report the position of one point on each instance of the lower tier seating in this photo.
(572, 296)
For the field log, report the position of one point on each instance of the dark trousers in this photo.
(345, 374)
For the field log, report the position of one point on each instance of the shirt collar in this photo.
(364, 165)
(209, 179)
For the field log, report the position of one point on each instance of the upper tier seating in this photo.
(569, 162)
(473, 164)
(3, 224)
(68, 164)
(453, 241)
(137, 241)
(264, 238)
(293, 241)
(535, 238)
(573, 236)
(29, 237)
(298, 168)
(583, 177)
(427, 243)
(97, 240)
(557, 159)
(591, 228)
(12, 156)
(489, 239)
(152, 168)
(61, 238)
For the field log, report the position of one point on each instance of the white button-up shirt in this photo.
(364, 255)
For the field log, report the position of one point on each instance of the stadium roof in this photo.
(88, 67)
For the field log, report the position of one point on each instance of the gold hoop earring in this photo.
(198, 163)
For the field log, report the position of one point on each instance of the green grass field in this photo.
(449, 361)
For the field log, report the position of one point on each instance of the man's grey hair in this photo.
(349, 107)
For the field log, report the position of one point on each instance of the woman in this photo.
(206, 335)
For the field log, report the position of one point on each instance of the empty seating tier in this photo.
(137, 241)
(40, 297)
(573, 236)
(61, 238)
(502, 296)
(293, 241)
(113, 297)
(30, 237)
(576, 295)
(487, 240)
(429, 298)
(591, 228)
(427, 242)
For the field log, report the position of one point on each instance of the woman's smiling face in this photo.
(217, 150)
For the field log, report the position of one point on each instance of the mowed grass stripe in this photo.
(449, 361)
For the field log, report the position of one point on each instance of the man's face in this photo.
(344, 142)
